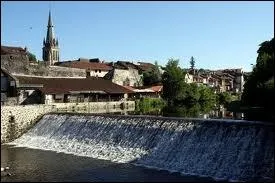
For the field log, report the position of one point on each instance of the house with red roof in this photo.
(93, 67)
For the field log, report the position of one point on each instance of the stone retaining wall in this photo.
(16, 120)
(19, 66)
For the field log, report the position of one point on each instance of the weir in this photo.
(222, 149)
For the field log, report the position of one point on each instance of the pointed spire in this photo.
(50, 20)
(50, 34)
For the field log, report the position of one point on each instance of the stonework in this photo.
(15, 120)
(21, 67)
(128, 77)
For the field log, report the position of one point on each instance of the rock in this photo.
(4, 173)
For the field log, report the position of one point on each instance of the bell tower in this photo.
(50, 45)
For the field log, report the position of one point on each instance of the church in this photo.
(50, 53)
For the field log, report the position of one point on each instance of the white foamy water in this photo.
(220, 150)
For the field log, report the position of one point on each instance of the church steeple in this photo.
(50, 44)
(50, 33)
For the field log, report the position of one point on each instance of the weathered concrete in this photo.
(16, 120)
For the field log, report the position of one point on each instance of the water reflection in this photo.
(190, 111)
(193, 111)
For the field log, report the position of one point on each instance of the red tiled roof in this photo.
(12, 50)
(146, 89)
(87, 65)
(156, 88)
(129, 88)
(67, 85)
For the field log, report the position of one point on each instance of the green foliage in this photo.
(146, 105)
(177, 93)
(259, 88)
(152, 76)
(186, 111)
(192, 63)
(173, 80)
(207, 96)
(193, 94)
(32, 57)
(224, 98)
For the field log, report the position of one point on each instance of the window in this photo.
(96, 71)
(99, 71)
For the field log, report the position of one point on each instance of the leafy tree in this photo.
(152, 76)
(192, 63)
(207, 96)
(224, 98)
(194, 94)
(174, 86)
(259, 87)
(31, 56)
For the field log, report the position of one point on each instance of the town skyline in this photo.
(151, 37)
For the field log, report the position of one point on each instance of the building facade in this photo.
(93, 67)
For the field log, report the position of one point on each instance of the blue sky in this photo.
(218, 34)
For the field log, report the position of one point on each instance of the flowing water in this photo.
(231, 150)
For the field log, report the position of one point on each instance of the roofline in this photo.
(12, 76)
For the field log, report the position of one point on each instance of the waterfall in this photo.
(219, 149)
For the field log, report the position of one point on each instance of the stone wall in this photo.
(121, 75)
(41, 69)
(66, 71)
(11, 101)
(16, 120)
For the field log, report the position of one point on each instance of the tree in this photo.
(152, 76)
(259, 87)
(207, 96)
(31, 56)
(224, 98)
(193, 94)
(192, 63)
(174, 86)
(260, 81)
